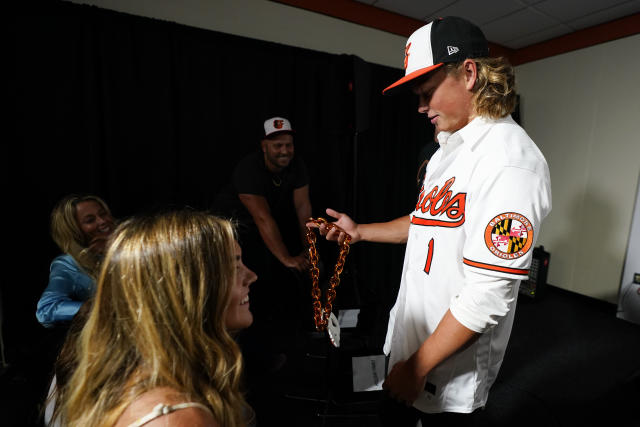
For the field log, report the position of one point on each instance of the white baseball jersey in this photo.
(484, 196)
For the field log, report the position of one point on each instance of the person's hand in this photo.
(298, 262)
(344, 222)
(403, 383)
(98, 243)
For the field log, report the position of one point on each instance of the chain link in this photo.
(321, 314)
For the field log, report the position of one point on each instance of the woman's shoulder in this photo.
(65, 266)
(166, 406)
(66, 262)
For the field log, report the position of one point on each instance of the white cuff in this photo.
(483, 300)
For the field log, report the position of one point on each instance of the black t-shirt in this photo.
(251, 176)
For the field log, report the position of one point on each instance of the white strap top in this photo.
(162, 409)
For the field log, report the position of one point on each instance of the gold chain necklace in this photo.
(321, 314)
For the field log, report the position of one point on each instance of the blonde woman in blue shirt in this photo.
(80, 226)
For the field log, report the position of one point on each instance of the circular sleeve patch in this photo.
(509, 235)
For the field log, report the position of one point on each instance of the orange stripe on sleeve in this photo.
(496, 267)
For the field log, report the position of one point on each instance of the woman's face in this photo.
(238, 314)
(95, 222)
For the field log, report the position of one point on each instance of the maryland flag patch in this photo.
(509, 235)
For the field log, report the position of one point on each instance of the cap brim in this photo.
(403, 83)
(278, 132)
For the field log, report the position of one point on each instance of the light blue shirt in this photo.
(69, 287)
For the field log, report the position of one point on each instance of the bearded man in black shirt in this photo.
(269, 197)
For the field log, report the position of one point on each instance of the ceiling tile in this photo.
(479, 12)
(519, 24)
(620, 11)
(413, 8)
(516, 23)
(540, 36)
(567, 10)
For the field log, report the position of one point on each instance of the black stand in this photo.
(333, 407)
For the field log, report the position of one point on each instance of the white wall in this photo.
(267, 20)
(629, 300)
(583, 110)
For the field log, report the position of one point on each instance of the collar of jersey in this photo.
(468, 135)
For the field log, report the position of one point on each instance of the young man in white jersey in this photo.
(470, 238)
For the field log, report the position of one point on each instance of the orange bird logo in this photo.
(406, 55)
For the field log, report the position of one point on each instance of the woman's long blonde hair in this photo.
(67, 234)
(158, 320)
(494, 91)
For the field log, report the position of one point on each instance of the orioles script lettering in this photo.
(441, 203)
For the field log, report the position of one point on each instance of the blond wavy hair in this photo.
(66, 232)
(158, 320)
(494, 91)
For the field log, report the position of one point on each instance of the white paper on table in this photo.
(348, 318)
(368, 372)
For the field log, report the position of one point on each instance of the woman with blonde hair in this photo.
(80, 226)
(156, 347)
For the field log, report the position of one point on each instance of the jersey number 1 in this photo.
(427, 265)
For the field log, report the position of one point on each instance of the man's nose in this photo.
(423, 106)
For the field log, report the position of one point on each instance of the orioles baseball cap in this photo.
(276, 125)
(444, 40)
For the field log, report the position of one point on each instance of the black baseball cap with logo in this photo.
(444, 40)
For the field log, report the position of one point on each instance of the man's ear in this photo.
(263, 145)
(470, 70)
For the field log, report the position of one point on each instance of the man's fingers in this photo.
(322, 229)
(333, 213)
(333, 234)
(343, 237)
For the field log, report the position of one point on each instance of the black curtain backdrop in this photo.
(151, 114)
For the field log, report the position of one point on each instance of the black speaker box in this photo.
(534, 286)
